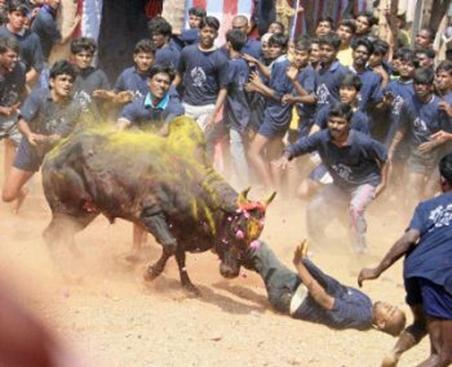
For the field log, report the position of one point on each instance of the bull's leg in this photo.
(154, 270)
(184, 278)
(59, 237)
(156, 224)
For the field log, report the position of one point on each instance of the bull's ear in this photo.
(242, 198)
(269, 199)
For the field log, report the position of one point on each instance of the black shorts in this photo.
(435, 300)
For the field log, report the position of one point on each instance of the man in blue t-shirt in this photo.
(331, 72)
(203, 73)
(236, 113)
(152, 112)
(358, 167)
(311, 295)
(166, 52)
(45, 117)
(157, 108)
(46, 27)
(30, 51)
(12, 92)
(252, 47)
(427, 246)
(420, 117)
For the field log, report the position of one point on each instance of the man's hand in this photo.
(103, 94)
(249, 87)
(255, 79)
(441, 136)
(8, 111)
(444, 106)
(35, 139)
(427, 146)
(367, 274)
(250, 59)
(300, 252)
(288, 99)
(281, 163)
(123, 97)
(292, 72)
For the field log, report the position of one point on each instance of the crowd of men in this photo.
(371, 114)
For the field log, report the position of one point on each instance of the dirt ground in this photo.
(113, 319)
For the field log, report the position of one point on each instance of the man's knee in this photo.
(9, 195)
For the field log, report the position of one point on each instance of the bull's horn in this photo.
(242, 198)
(269, 199)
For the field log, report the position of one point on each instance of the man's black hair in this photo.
(364, 41)
(279, 39)
(444, 66)
(81, 44)
(303, 43)
(429, 52)
(351, 80)
(146, 46)
(445, 168)
(423, 76)
(237, 38)
(210, 22)
(197, 11)
(63, 67)
(160, 25)
(283, 28)
(405, 54)
(341, 110)
(381, 47)
(330, 39)
(157, 69)
(8, 43)
(370, 18)
(326, 19)
(350, 23)
(17, 5)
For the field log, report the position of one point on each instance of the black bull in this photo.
(164, 184)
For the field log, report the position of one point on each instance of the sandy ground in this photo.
(113, 319)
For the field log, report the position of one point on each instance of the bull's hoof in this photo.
(389, 361)
(191, 289)
(151, 273)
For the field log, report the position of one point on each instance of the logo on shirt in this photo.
(397, 105)
(420, 127)
(343, 171)
(323, 94)
(198, 76)
(441, 216)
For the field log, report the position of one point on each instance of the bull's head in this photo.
(241, 228)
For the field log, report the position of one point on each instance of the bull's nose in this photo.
(228, 272)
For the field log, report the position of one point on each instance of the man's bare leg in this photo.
(139, 238)
(411, 336)
(13, 187)
(10, 153)
(439, 332)
(259, 164)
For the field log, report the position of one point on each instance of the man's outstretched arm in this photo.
(399, 249)
(315, 290)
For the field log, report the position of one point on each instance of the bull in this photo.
(164, 184)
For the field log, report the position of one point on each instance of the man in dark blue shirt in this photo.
(311, 295)
(426, 245)
(370, 93)
(157, 108)
(236, 113)
(331, 72)
(45, 26)
(166, 53)
(203, 72)
(190, 36)
(30, 51)
(12, 92)
(153, 112)
(357, 164)
(420, 117)
(252, 47)
(45, 117)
